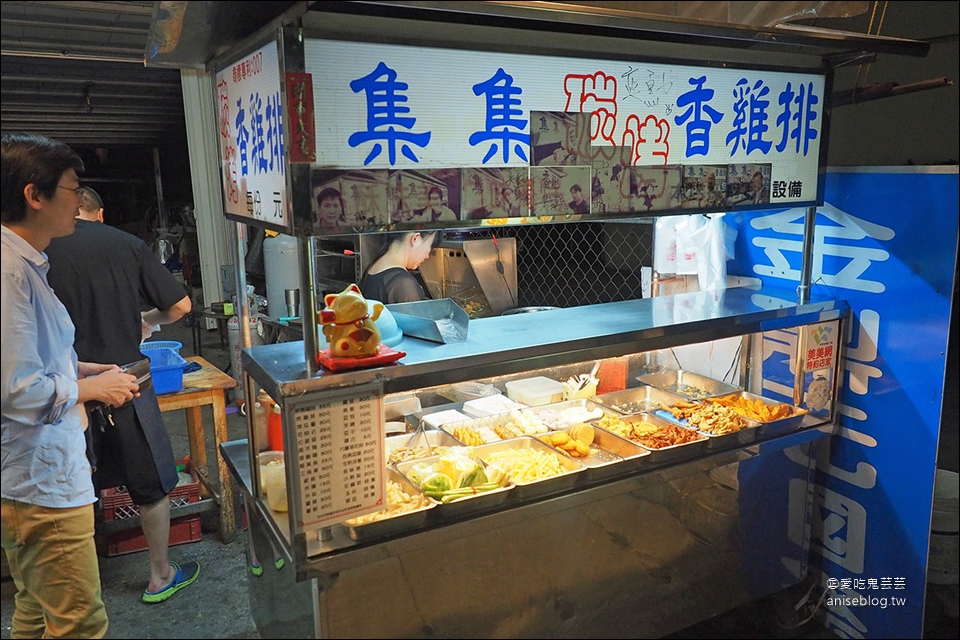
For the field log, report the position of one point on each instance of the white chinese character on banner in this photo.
(854, 260)
(839, 532)
(862, 352)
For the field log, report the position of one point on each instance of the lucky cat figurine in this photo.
(348, 326)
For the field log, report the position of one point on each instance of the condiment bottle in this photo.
(275, 428)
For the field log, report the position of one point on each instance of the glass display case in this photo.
(632, 536)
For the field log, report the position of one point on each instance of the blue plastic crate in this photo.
(162, 344)
(166, 369)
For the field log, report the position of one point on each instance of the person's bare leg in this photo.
(155, 520)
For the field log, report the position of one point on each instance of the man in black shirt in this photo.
(101, 274)
(578, 204)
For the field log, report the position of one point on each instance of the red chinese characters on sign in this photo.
(231, 186)
(223, 96)
(247, 68)
(303, 147)
(596, 94)
(648, 140)
(819, 358)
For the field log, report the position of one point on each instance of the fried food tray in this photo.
(691, 386)
(714, 440)
(779, 426)
(668, 454)
(642, 399)
(610, 455)
(417, 445)
(400, 523)
(539, 488)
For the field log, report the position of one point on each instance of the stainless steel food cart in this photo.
(646, 552)
(642, 552)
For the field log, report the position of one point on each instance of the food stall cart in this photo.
(647, 545)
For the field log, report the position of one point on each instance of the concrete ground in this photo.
(218, 606)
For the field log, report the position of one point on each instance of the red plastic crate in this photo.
(117, 505)
(182, 530)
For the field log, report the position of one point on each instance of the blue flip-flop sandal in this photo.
(185, 575)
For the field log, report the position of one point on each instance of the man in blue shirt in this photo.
(46, 496)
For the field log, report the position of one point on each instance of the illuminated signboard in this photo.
(250, 118)
(424, 136)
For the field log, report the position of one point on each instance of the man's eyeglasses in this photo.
(74, 189)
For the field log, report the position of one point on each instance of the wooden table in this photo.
(207, 386)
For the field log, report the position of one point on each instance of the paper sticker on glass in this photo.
(704, 186)
(748, 184)
(559, 139)
(560, 191)
(430, 195)
(494, 193)
(610, 187)
(354, 198)
(655, 188)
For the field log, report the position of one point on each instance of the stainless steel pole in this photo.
(803, 297)
(806, 268)
(308, 301)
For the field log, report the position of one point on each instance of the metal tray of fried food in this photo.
(472, 505)
(667, 453)
(642, 399)
(729, 429)
(780, 417)
(609, 455)
(422, 444)
(527, 489)
(691, 386)
(557, 408)
(392, 520)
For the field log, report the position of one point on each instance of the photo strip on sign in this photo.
(520, 139)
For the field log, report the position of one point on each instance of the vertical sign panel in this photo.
(250, 111)
(892, 258)
(340, 456)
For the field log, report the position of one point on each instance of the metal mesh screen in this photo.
(572, 264)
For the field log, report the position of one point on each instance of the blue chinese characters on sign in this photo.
(385, 119)
(798, 124)
(698, 128)
(259, 134)
(502, 112)
(750, 118)
(749, 122)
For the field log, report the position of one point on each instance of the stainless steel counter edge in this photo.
(342, 553)
(513, 344)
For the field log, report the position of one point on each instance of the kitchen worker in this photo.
(388, 278)
(46, 494)
(102, 275)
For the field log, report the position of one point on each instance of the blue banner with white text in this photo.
(885, 241)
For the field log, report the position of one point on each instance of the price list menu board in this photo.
(340, 454)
